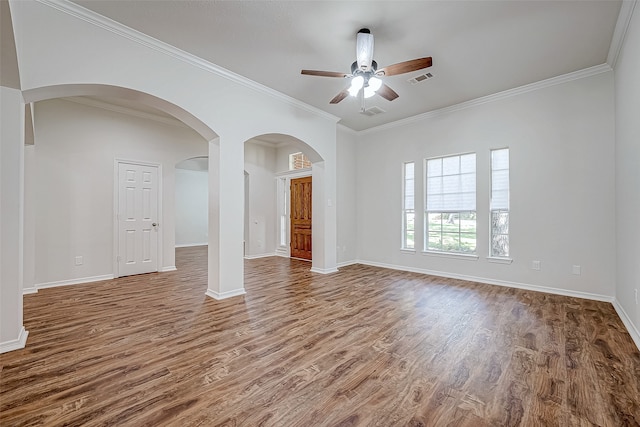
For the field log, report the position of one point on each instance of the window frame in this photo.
(441, 252)
(405, 211)
(492, 256)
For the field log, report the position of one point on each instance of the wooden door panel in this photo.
(301, 218)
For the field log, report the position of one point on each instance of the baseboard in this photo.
(631, 328)
(524, 286)
(324, 270)
(74, 281)
(166, 269)
(16, 344)
(224, 295)
(27, 291)
(347, 263)
(260, 256)
(190, 245)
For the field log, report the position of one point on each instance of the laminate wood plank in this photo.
(362, 347)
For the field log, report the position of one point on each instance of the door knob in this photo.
(154, 224)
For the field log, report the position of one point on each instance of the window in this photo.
(283, 213)
(499, 203)
(450, 211)
(298, 161)
(408, 208)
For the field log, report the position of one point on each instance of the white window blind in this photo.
(451, 183)
(500, 179)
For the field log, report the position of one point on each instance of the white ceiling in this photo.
(478, 47)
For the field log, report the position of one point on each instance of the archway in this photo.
(267, 162)
(90, 263)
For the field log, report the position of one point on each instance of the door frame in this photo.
(116, 191)
(288, 176)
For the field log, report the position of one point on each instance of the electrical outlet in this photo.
(79, 260)
(535, 265)
(576, 270)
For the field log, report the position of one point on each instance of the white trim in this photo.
(297, 173)
(167, 269)
(498, 260)
(192, 245)
(626, 320)
(119, 29)
(283, 254)
(28, 291)
(347, 129)
(224, 295)
(124, 110)
(587, 72)
(347, 263)
(74, 281)
(525, 286)
(407, 251)
(619, 33)
(322, 270)
(16, 344)
(454, 255)
(260, 256)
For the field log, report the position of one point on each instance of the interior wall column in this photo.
(226, 218)
(324, 215)
(12, 332)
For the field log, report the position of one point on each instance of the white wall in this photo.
(82, 47)
(347, 206)
(76, 146)
(260, 164)
(561, 141)
(12, 333)
(192, 207)
(627, 90)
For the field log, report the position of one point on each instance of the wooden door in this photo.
(301, 218)
(137, 219)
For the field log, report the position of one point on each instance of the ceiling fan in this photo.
(365, 73)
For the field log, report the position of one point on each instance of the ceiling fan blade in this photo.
(405, 67)
(339, 97)
(387, 93)
(324, 73)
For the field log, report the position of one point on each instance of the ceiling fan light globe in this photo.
(369, 92)
(375, 83)
(356, 84)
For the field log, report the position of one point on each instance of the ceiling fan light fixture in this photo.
(364, 49)
(375, 83)
(369, 92)
(356, 84)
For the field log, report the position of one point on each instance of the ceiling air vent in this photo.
(372, 111)
(420, 78)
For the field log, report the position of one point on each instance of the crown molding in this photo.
(119, 29)
(580, 74)
(124, 110)
(622, 25)
(347, 129)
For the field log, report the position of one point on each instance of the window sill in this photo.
(407, 251)
(468, 257)
(499, 260)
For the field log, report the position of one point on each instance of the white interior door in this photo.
(137, 219)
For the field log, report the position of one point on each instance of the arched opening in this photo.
(269, 222)
(71, 180)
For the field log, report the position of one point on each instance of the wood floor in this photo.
(365, 346)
